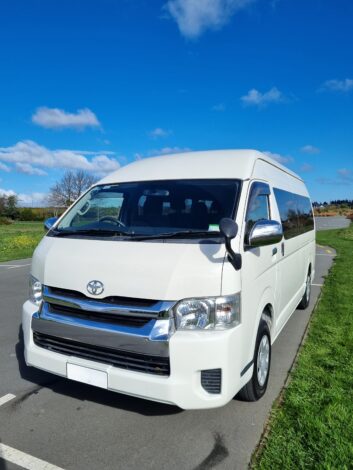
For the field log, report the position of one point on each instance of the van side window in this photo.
(258, 205)
(295, 212)
(305, 214)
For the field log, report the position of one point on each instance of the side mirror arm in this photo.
(229, 230)
(234, 258)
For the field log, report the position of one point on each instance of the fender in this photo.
(267, 298)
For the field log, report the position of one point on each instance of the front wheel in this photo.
(257, 385)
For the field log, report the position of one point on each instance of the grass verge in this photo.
(312, 425)
(19, 239)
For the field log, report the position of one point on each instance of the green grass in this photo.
(312, 425)
(19, 239)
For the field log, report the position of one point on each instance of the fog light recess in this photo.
(211, 380)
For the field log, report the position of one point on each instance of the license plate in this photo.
(86, 375)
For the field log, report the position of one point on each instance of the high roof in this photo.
(193, 165)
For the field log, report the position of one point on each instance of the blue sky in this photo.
(97, 84)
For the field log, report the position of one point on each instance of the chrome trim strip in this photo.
(150, 339)
(158, 310)
(154, 330)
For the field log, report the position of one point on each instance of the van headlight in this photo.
(208, 313)
(35, 290)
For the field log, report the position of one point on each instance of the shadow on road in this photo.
(85, 392)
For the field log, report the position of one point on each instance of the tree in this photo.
(3, 201)
(8, 206)
(70, 187)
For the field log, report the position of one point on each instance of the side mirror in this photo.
(48, 224)
(265, 232)
(229, 230)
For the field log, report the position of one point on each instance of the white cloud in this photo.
(310, 149)
(344, 177)
(161, 151)
(169, 150)
(31, 199)
(29, 169)
(7, 192)
(343, 86)
(256, 98)
(159, 132)
(220, 107)
(194, 17)
(345, 174)
(4, 167)
(283, 159)
(306, 168)
(31, 153)
(54, 118)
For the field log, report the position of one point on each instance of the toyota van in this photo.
(171, 278)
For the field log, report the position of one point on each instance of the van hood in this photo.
(150, 270)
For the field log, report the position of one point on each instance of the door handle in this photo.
(274, 251)
(282, 248)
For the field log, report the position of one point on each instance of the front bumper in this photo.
(190, 353)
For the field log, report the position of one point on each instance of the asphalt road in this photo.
(325, 223)
(75, 426)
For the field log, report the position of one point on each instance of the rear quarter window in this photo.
(295, 212)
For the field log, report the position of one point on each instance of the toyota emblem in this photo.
(95, 287)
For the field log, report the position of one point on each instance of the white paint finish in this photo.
(207, 164)
(189, 353)
(154, 270)
(87, 375)
(6, 398)
(24, 460)
(177, 270)
(277, 177)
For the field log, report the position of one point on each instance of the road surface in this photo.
(325, 223)
(74, 426)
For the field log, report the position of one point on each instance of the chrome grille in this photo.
(126, 301)
(118, 358)
(122, 334)
(103, 317)
(115, 310)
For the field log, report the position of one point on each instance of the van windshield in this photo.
(152, 209)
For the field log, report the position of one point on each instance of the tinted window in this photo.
(258, 205)
(152, 207)
(295, 212)
(305, 214)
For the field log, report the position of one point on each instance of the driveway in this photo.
(75, 426)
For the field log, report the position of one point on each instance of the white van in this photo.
(170, 279)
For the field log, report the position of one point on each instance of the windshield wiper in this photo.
(91, 231)
(180, 234)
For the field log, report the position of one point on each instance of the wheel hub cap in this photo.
(263, 358)
(308, 288)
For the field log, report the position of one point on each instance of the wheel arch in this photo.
(265, 311)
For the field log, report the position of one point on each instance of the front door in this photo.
(259, 271)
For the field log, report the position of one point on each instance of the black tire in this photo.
(304, 303)
(254, 390)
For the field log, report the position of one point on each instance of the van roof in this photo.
(194, 165)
